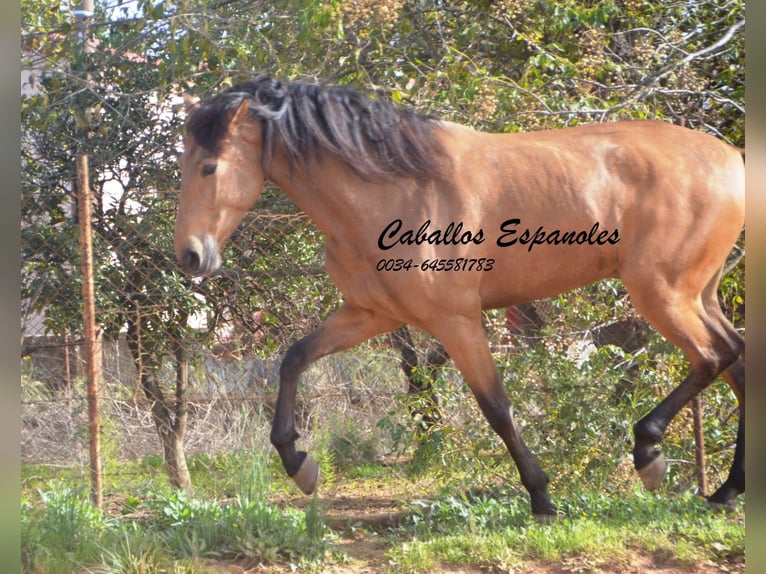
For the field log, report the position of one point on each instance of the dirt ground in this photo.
(358, 516)
(367, 556)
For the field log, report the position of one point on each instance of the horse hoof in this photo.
(653, 473)
(722, 507)
(307, 477)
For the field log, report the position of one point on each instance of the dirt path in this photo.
(364, 515)
(367, 556)
(364, 523)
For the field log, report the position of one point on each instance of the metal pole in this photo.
(92, 336)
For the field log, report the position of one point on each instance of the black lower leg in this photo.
(735, 483)
(425, 408)
(283, 433)
(283, 437)
(499, 414)
(648, 432)
(291, 459)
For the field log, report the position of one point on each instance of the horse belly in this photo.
(544, 272)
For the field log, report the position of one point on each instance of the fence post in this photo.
(92, 337)
(699, 444)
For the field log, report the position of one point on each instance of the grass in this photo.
(245, 511)
(233, 517)
(604, 531)
(166, 530)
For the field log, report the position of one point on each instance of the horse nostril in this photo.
(190, 261)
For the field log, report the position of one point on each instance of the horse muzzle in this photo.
(200, 257)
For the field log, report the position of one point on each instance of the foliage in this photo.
(167, 530)
(513, 65)
(346, 446)
(506, 65)
(63, 531)
(57, 537)
(596, 531)
(575, 414)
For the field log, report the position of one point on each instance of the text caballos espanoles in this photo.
(510, 233)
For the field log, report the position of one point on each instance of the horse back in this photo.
(674, 196)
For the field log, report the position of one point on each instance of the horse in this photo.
(428, 222)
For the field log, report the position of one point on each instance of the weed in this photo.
(130, 549)
(496, 529)
(63, 531)
(58, 532)
(344, 444)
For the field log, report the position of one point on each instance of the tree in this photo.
(499, 66)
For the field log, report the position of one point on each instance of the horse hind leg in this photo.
(425, 410)
(734, 485)
(710, 344)
(734, 376)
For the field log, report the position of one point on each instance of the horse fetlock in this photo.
(725, 497)
(648, 431)
(543, 509)
(307, 477)
(283, 438)
(653, 473)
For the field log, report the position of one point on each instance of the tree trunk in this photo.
(169, 418)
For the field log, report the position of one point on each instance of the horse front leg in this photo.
(345, 328)
(466, 342)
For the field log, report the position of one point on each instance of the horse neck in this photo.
(330, 193)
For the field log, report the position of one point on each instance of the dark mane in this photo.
(375, 138)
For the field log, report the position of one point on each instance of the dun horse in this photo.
(428, 222)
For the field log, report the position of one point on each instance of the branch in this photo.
(739, 253)
(649, 81)
(719, 44)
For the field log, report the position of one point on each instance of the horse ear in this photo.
(190, 103)
(241, 112)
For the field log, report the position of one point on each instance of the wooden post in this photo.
(67, 369)
(92, 336)
(699, 444)
(83, 13)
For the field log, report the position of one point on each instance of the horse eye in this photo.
(208, 169)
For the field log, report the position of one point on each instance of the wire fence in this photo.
(231, 395)
(201, 358)
(229, 403)
(232, 331)
(234, 355)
